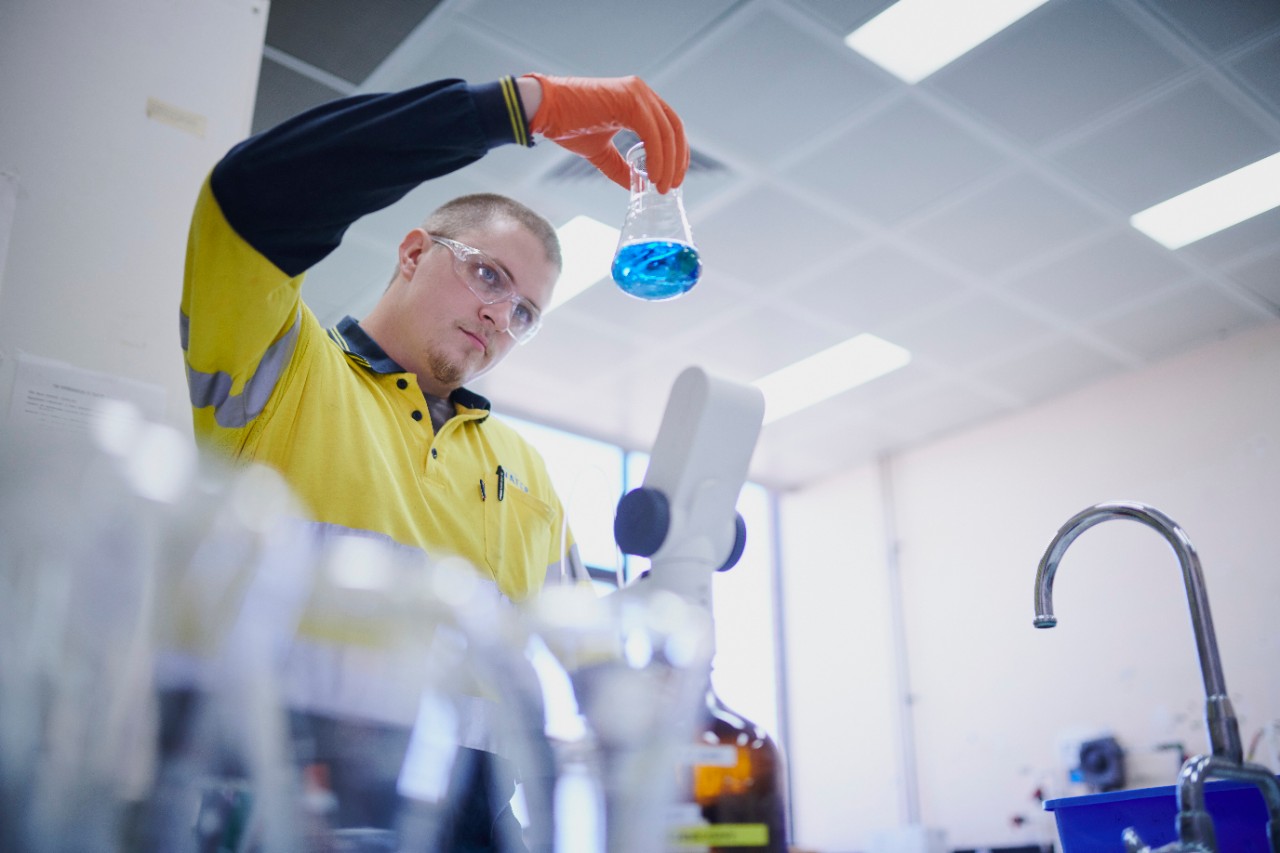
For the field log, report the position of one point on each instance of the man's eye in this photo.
(522, 314)
(486, 274)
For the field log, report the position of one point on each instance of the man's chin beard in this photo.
(444, 371)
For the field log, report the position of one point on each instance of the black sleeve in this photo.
(291, 192)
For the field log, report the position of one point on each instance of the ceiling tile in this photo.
(1066, 63)
(1049, 368)
(862, 168)
(1095, 278)
(446, 46)
(843, 16)
(875, 289)
(1177, 321)
(859, 405)
(744, 238)
(571, 349)
(969, 330)
(721, 82)
(1262, 276)
(1006, 224)
(866, 400)
(1179, 141)
(343, 39)
(1221, 24)
(760, 340)
(606, 304)
(1260, 68)
(626, 41)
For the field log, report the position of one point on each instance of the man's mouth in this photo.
(480, 342)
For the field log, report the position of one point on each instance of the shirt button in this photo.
(433, 453)
(402, 383)
(417, 416)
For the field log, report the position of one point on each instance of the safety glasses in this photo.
(492, 286)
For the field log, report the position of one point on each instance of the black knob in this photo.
(641, 523)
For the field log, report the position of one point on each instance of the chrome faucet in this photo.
(1224, 731)
(1195, 828)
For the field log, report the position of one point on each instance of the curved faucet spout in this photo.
(1224, 734)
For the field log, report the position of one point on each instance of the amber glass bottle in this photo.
(735, 788)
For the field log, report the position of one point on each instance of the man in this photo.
(371, 422)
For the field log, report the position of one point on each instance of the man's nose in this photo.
(498, 313)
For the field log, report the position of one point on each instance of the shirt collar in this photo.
(356, 342)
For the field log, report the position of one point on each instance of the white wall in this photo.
(1198, 437)
(842, 745)
(94, 271)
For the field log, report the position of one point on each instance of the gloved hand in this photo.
(583, 114)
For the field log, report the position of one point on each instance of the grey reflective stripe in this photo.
(233, 411)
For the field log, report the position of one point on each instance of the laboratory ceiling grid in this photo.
(979, 217)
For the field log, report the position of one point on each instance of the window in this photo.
(588, 477)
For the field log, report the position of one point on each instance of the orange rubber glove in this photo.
(583, 114)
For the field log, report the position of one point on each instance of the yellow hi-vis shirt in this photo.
(348, 428)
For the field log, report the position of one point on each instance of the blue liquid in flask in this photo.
(656, 270)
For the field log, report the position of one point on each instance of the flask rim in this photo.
(635, 159)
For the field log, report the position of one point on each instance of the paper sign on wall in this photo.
(53, 398)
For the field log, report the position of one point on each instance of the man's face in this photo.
(446, 335)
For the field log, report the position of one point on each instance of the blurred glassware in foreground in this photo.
(622, 678)
(656, 257)
(106, 544)
(188, 665)
(176, 645)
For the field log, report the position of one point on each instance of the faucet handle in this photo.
(1134, 844)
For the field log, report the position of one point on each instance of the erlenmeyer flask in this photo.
(656, 257)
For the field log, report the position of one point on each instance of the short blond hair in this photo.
(472, 212)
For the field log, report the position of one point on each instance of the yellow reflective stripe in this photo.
(515, 110)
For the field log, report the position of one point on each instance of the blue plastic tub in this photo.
(1093, 823)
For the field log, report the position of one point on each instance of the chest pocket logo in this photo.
(517, 541)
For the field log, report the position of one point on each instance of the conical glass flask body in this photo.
(656, 257)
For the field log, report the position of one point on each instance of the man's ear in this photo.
(410, 253)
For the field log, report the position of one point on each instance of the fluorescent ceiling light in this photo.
(845, 365)
(588, 246)
(1210, 207)
(914, 38)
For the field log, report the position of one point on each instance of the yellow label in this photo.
(724, 835)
